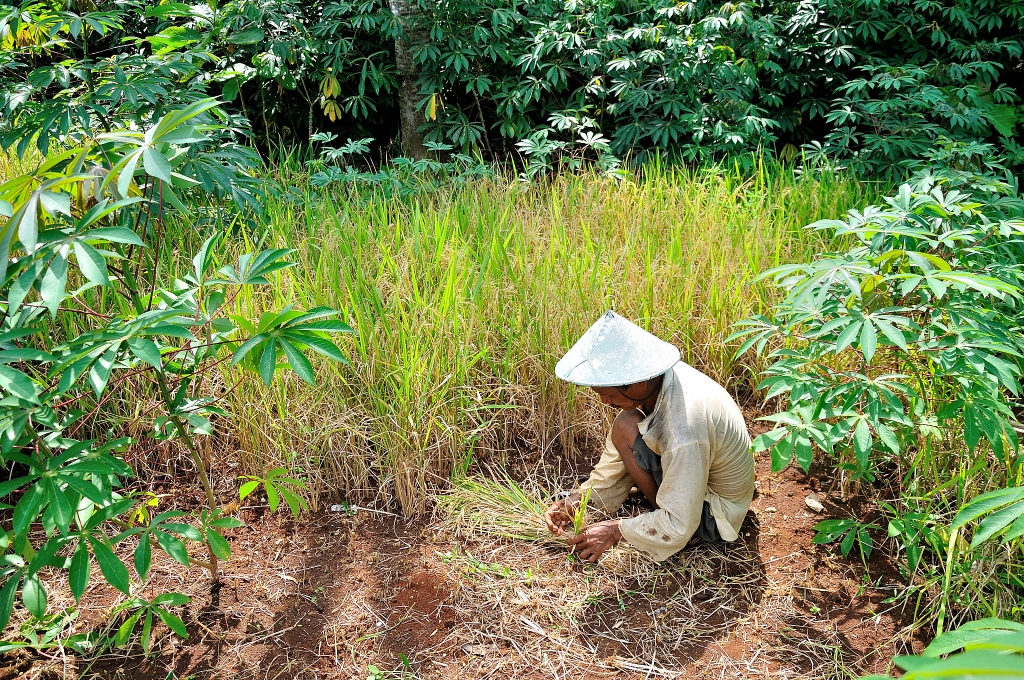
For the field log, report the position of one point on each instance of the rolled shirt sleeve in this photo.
(667, 530)
(609, 483)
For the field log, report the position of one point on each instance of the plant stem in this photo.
(190, 444)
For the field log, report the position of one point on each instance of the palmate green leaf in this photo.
(804, 451)
(111, 567)
(80, 571)
(325, 325)
(27, 509)
(92, 264)
(830, 530)
(847, 543)
(782, 454)
(268, 362)
(14, 484)
(862, 442)
(247, 36)
(227, 523)
(115, 235)
(247, 347)
(147, 629)
(247, 489)
(298, 362)
(996, 522)
(59, 505)
(186, 530)
(204, 258)
(848, 335)
(172, 546)
(273, 498)
(46, 556)
(868, 341)
(13, 381)
(8, 592)
(1016, 530)
(53, 287)
(986, 502)
(171, 599)
(318, 344)
(892, 333)
(125, 171)
(992, 638)
(143, 556)
(33, 596)
(974, 663)
(888, 437)
(295, 502)
(218, 545)
(865, 542)
(171, 621)
(124, 631)
(146, 350)
(99, 374)
(156, 164)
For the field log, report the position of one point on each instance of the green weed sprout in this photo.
(277, 486)
(579, 516)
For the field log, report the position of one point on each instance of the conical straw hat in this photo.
(615, 352)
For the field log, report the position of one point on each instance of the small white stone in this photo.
(814, 503)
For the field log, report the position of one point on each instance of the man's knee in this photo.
(625, 429)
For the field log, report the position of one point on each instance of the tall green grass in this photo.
(463, 300)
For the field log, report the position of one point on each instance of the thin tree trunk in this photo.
(409, 72)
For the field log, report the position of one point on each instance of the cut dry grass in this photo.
(574, 614)
(463, 299)
(504, 509)
(629, 613)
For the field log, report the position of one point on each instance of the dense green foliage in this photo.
(87, 308)
(900, 358)
(869, 84)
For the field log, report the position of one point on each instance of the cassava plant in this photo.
(909, 335)
(902, 352)
(89, 319)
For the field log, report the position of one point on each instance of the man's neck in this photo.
(648, 404)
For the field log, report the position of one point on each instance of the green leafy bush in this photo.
(90, 317)
(866, 85)
(900, 356)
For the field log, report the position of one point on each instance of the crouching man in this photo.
(679, 438)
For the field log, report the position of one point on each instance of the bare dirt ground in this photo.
(372, 595)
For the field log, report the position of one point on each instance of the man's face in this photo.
(614, 397)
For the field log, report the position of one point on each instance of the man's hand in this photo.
(559, 515)
(593, 541)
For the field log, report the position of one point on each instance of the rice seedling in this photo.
(579, 515)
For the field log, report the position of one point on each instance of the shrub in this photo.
(88, 315)
(901, 354)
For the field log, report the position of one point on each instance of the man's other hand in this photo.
(593, 541)
(559, 515)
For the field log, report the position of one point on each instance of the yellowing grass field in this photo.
(463, 299)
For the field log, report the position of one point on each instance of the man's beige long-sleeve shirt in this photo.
(699, 432)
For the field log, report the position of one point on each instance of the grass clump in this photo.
(497, 508)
